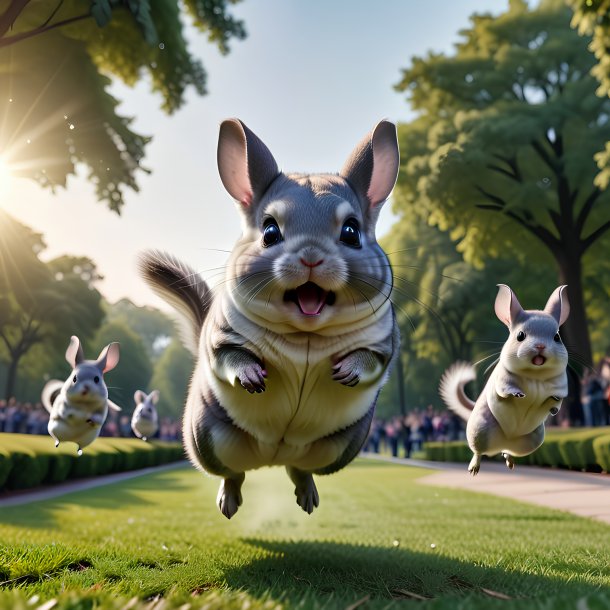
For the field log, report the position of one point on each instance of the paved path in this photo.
(26, 496)
(584, 494)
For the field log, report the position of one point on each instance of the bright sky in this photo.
(311, 79)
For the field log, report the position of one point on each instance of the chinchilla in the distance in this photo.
(79, 406)
(145, 419)
(528, 383)
(294, 346)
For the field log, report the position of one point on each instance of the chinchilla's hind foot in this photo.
(475, 464)
(229, 495)
(509, 460)
(304, 489)
(56, 443)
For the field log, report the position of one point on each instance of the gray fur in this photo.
(78, 407)
(296, 343)
(528, 383)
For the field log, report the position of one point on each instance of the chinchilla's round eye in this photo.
(557, 338)
(520, 335)
(271, 233)
(96, 379)
(74, 379)
(350, 233)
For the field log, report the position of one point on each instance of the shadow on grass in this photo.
(328, 574)
(47, 513)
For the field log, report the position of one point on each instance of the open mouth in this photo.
(538, 360)
(310, 298)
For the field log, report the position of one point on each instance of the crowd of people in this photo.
(397, 435)
(32, 418)
(405, 434)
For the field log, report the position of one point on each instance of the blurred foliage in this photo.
(154, 327)
(445, 307)
(41, 303)
(171, 376)
(592, 18)
(56, 61)
(500, 155)
(134, 370)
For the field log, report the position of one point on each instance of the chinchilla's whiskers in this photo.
(351, 293)
(367, 299)
(360, 277)
(486, 341)
(422, 269)
(412, 298)
(491, 365)
(388, 297)
(252, 291)
(261, 286)
(496, 353)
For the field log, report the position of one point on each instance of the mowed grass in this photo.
(378, 540)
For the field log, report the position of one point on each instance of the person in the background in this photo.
(593, 399)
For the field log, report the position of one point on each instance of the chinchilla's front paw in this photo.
(252, 377)
(518, 394)
(347, 370)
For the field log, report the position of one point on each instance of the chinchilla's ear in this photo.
(139, 397)
(558, 305)
(372, 168)
(74, 353)
(245, 164)
(508, 309)
(154, 397)
(108, 358)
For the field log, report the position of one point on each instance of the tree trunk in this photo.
(11, 376)
(575, 332)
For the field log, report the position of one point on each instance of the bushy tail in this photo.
(49, 393)
(183, 288)
(451, 388)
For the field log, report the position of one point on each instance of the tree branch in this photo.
(591, 239)
(11, 13)
(545, 156)
(10, 40)
(586, 210)
(544, 235)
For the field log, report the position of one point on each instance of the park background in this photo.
(502, 115)
(502, 131)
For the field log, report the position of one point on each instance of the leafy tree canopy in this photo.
(56, 61)
(134, 369)
(41, 304)
(171, 376)
(501, 154)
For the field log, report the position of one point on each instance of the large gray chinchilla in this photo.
(295, 344)
(528, 383)
(79, 406)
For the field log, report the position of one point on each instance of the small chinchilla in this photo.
(79, 406)
(528, 383)
(295, 344)
(145, 420)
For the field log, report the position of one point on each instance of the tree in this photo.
(41, 304)
(55, 63)
(501, 154)
(171, 376)
(445, 306)
(134, 369)
(592, 18)
(154, 327)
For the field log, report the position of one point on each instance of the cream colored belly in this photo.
(519, 416)
(299, 406)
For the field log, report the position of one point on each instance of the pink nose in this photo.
(312, 265)
(540, 346)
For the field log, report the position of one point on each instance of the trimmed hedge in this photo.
(28, 460)
(577, 449)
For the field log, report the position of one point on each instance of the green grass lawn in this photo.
(378, 540)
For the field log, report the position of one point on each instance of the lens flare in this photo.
(5, 180)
